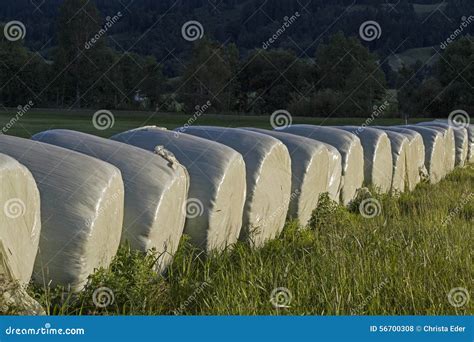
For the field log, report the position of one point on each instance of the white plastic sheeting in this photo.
(378, 163)
(217, 183)
(20, 222)
(82, 202)
(435, 148)
(461, 136)
(415, 166)
(154, 188)
(268, 169)
(449, 144)
(309, 172)
(400, 159)
(349, 147)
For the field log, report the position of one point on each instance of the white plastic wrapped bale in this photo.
(400, 158)
(461, 137)
(449, 144)
(154, 187)
(378, 164)
(20, 222)
(217, 183)
(309, 172)
(435, 159)
(349, 147)
(268, 169)
(415, 165)
(82, 202)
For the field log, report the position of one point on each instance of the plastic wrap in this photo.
(217, 183)
(154, 187)
(449, 144)
(461, 137)
(415, 165)
(268, 169)
(378, 163)
(20, 221)
(349, 147)
(309, 172)
(435, 159)
(82, 202)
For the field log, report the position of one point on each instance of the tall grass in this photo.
(403, 261)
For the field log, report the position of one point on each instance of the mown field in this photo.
(405, 261)
(35, 121)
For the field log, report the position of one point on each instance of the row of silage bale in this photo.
(20, 221)
(310, 172)
(350, 149)
(81, 210)
(217, 188)
(154, 187)
(268, 178)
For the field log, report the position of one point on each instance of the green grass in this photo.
(36, 121)
(403, 261)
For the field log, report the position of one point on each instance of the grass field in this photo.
(404, 261)
(36, 121)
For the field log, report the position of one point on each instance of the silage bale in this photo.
(415, 165)
(435, 159)
(461, 136)
(268, 169)
(154, 187)
(449, 143)
(378, 163)
(20, 221)
(349, 147)
(81, 210)
(400, 158)
(217, 183)
(309, 172)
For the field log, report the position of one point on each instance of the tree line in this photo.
(341, 78)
